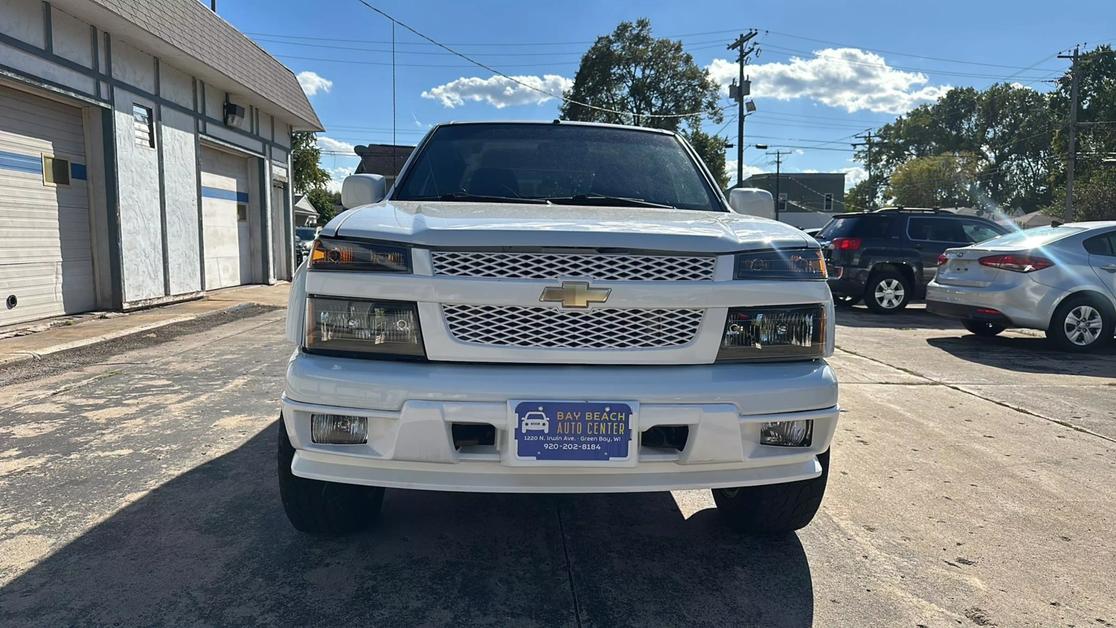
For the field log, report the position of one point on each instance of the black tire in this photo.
(845, 301)
(1097, 317)
(773, 508)
(325, 508)
(983, 328)
(887, 292)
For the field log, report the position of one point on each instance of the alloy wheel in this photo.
(889, 293)
(1083, 325)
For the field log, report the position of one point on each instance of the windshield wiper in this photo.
(479, 198)
(606, 201)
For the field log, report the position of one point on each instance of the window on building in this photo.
(242, 212)
(56, 170)
(143, 123)
(828, 202)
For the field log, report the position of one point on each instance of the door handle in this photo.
(1110, 268)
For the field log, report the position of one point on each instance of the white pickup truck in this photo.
(556, 308)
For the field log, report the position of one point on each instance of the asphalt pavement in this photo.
(972, 484)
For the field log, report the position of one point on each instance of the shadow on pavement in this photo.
(212, 546)
(914, 317)
(1028, 355)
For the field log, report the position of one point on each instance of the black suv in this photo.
(887, 257)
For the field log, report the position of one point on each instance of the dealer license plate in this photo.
(572, 430)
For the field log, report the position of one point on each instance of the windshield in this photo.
(1032, 238)
(565, 163)
(306, 233)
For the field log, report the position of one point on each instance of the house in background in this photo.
(385, 159)
(804, 199)
(304, 213)
(144, 156)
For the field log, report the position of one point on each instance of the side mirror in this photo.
(363, 189)
(753, 202)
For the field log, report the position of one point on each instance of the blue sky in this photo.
(828, 69)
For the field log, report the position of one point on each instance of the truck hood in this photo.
(467, 225)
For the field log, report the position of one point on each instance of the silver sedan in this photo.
(1059, 279)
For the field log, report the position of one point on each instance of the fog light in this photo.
(337, 429)
(787, 433)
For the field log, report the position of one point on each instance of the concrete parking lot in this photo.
(972, 484)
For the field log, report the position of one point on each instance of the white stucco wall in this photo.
(41, 68)
(141, 230)
(133, 66)
(23, 20)
(175, 85)
(72, 38)
(181, 195)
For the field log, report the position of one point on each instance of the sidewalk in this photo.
(83, 331)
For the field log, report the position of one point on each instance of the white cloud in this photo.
(730, 168)
(312, 83)
(337, 177)
(853, 175)
(848, 78)
(328, 144)
(498, 91)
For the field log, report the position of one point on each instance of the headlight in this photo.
(352, 326)
(333, 254)
(791, 332)
(781, 264)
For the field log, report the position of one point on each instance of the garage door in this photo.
(46, 261)
(225, 217)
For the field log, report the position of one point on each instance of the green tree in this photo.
(1006, 130)
(631, 71)
(325, 202)
(307, 173)
(1096, 136)
(945, 180)
(711, 149)
(859, 197)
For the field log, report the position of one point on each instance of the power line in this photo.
(455, 66)
(485, 66)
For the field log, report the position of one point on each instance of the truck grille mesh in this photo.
(554, 328)
(602, 267)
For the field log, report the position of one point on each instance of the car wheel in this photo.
(326, 508)
(887, 292)
(845, 301)
(773, 508)
(1081, 324)
(983, 328)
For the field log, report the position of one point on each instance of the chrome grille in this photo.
(599, 266)
(554, 328)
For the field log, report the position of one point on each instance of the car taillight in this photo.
(846, 244)
(1017, 263)
(942, 259)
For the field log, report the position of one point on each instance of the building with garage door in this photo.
(144, 156)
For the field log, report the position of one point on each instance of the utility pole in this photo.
(738, 90)
(1071, 149)
(778, 172)
(867, 137)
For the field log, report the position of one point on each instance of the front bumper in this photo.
(412, 406)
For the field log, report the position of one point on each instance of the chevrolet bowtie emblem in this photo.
(575, 294)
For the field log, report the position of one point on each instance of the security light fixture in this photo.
(234, 114)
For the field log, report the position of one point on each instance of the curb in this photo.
(22, 356)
